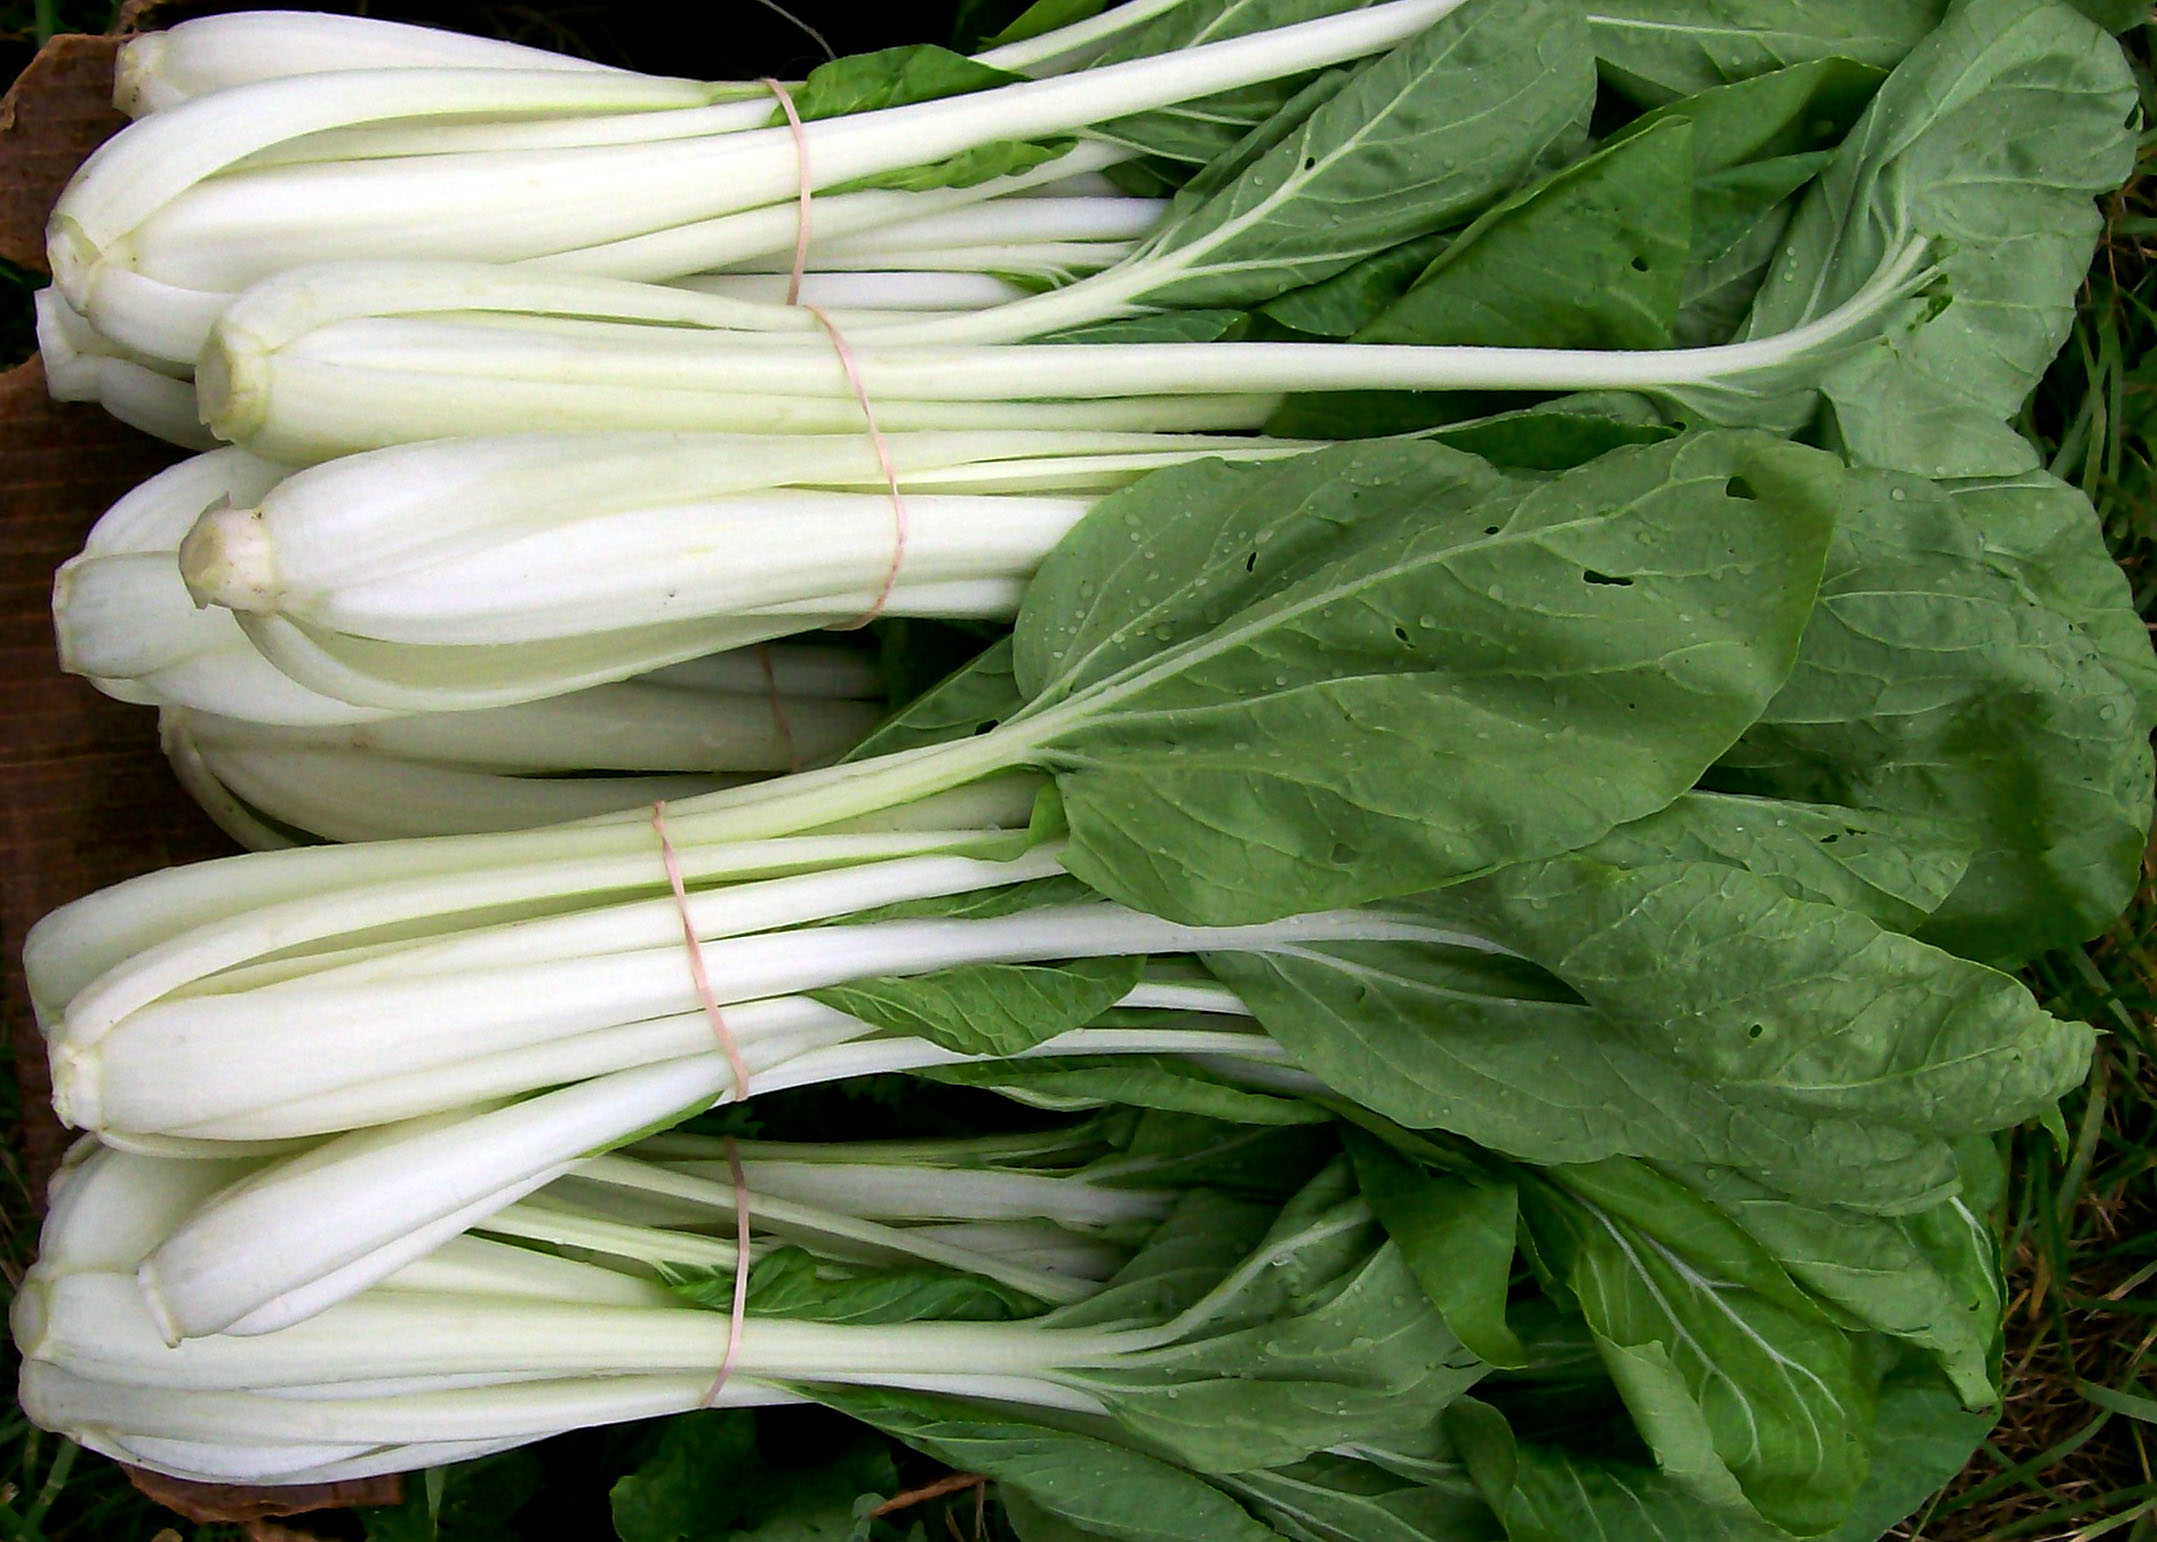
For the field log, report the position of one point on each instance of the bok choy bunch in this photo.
(631, 175)
(1242, 1333)
(1511, 762)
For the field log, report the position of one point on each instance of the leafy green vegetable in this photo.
(919, 72)
(1930, 1278)
(1434, 1042)
(476, 1501)
(1990, 141)
(1178, 140)
(1413, 141)
(1098, 1487)
(1549, 663)
(989, 1009)
(1141, 1081)
(1456, 1232)
(1779, 998)
(1746, 1390)
(1546, 1493)
(1592, 257)
(791, 1282)
(707, 1482)
(1654, 50)
(1937, 678)
(1923, 1437)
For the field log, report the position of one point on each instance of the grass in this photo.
(2074, 1458)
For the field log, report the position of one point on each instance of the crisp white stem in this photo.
(159, 70)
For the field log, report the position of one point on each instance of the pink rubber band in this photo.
(740, 1310)
(891, 474)
(801, 156)
(778, 708)
(696, 956)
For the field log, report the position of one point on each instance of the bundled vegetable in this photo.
(635, 176)
(441, 1360)
(1525, 898)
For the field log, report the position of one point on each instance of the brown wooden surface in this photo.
(85, 799)
(52, 116)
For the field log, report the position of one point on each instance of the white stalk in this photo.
(151, 200)
(162, 1070)
(316, 1230)
(772, 229)
(317, 359)
(771, 554)
(159, 70)
(880, 289)
(99, 957)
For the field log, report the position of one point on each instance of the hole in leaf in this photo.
(1590, 576)
(1756, 1030)
(987, 726)
(1250, 563)
(1738, 487)
(1310, 162)
(1401, 632)
(1639, 264)
(1490, 529)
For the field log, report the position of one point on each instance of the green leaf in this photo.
(1071, 1083)
(1738, 1381)
(1895, 869)
(1556, 435)
(1593, 257)
(1380, 667)
(1044, 16)
(919, 72)
(971, 701)
(1654, 50)
(1547, 1494)
(891, 77)
(1922, 1439)
(2042, 534)
(1100, 1488)
(1329, 1498)
(1166, 1150)
(1356, 296)
(988, 1009)
(476, 1501)
(707, 1482)
(1319, 1338)
(2116, 15)
(792, 1282)
(1990, 141)
(1180, 139)
(1415, 140)
(1034, 1524)
(1456, 1234)
(1931, 1278)
(1434, 1041)
(1806, 108)
(1936, 678)
(1781, 999)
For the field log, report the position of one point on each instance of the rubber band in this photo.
(738, 1313)
(846, 355)
(696, 956)
(801, 157)
(779, 718)
(891, 473)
